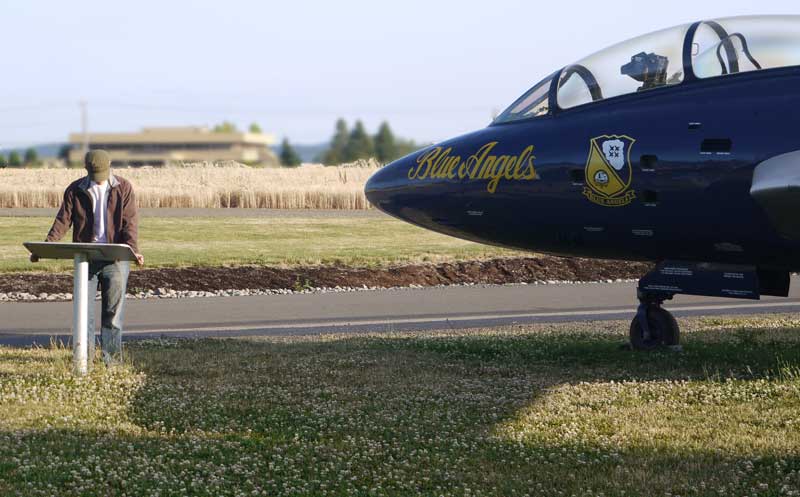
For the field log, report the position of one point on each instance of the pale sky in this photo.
(432, 69)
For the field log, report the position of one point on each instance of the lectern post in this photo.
(81, 254)
(80, 314)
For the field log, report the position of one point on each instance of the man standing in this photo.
(101, 208)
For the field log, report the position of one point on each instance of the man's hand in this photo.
(34, 258)
(139, 260)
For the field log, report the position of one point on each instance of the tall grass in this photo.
(204, 185)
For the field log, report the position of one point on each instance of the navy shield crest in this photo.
(609, 172)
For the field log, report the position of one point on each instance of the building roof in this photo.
(188, 134)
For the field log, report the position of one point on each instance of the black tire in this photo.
(673, 337)
(664, 330)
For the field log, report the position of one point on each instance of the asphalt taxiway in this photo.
(372, 311)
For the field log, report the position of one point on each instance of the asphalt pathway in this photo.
(371, 311)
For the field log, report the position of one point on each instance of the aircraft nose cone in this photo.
(387, 183)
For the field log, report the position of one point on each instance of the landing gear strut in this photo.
(653, 327)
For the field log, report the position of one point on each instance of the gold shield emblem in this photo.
(609, 172)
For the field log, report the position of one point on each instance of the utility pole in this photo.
(84, 127)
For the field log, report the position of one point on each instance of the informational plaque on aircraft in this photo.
(94, 251)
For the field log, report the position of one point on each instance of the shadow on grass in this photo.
(437, 402)
(466, 413)
(598, 354)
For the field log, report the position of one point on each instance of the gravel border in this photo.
(164, 293)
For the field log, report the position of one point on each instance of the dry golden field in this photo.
(205, 185)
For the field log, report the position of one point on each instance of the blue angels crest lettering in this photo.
(609, 172)
(483, 165)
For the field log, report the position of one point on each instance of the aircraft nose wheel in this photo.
(661, 329)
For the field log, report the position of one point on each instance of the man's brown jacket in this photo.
(122, 224)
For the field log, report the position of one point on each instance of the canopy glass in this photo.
(718, 48)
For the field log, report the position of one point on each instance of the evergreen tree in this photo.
(405, 147)
(289, 157)
(31, 157)
(385, 146)
(255, 128)
(13, 159)
(63, 152)
(3, 162)
(359, 144)
(335, 154)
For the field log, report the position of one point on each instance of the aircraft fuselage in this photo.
(691, 153)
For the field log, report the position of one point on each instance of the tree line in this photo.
(31, 158)
(229, 127)
(345, 146)
(348, 145)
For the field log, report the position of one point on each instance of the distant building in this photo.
(160, 146)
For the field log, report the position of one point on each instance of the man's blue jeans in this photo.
(113, 280)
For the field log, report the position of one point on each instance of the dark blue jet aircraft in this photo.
(680, 147)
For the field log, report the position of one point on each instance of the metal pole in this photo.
(80, 315)
(84, 128)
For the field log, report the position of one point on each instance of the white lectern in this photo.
(82, 254)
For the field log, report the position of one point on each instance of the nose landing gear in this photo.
(653, 327)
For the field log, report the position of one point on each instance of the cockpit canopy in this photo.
(742, 44)
(718, 48)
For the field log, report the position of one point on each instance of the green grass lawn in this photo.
(545, 410)
(270, 241)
